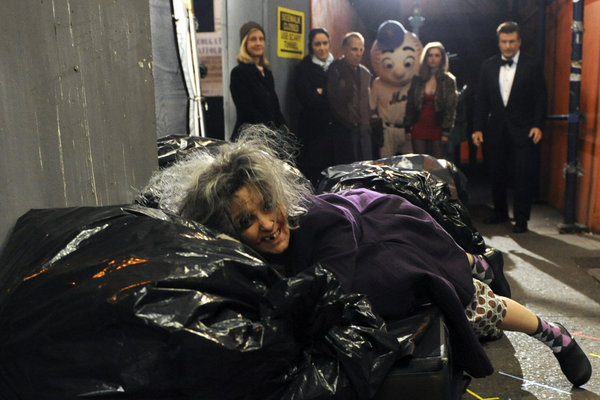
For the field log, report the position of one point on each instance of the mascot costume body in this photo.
(395, 58)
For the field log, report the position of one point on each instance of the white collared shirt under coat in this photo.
(506, 78)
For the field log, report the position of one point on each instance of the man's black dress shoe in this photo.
(495, 219)
(573, 361)
(499, 284)
(520, 227)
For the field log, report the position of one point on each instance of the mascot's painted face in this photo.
(395, 54)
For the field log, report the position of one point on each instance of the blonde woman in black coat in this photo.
(251, 84)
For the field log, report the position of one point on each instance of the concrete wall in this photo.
(340, 17)
(235, 14)
(77, 119)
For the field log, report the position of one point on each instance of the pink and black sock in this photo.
(481, 269)
(552, 335)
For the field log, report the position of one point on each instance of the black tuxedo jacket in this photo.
(526, 106)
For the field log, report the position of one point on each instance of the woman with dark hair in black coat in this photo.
(315, 127)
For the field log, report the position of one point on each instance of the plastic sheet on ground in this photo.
(421, 179)
(127, 302)
(174, 147)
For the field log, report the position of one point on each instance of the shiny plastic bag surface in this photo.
(422, 180)
(127, 302)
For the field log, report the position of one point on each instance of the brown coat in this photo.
(444, 103)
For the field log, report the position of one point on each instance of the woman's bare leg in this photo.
(518, 317)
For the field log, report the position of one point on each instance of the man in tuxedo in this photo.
(508, 122)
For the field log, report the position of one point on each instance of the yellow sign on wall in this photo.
(290, 33)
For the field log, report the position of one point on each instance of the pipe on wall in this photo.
(572, 168)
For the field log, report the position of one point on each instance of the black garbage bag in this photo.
(176, 147)
(407, 176)
(459, 179)
(127, 302)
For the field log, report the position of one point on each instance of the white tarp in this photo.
(186, 43)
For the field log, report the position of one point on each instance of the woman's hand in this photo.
(445, 136)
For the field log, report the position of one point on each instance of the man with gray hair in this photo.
(348, 83)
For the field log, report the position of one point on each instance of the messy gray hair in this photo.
(201, 186)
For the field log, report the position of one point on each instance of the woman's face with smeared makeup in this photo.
(262, 226)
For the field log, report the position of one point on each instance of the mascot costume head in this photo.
(395, 58)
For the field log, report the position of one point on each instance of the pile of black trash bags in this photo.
(436, 186)
(128, 302)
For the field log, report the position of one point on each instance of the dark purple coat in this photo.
(394, 252)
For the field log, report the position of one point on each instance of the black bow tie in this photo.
(508, 62)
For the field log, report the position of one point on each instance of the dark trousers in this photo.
(352, 144)
(506, 160)
(316, 155)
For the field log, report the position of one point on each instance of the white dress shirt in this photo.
(506, 78)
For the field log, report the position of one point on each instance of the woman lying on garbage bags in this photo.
(377, 244)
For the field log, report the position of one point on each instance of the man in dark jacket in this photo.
(348, 83)
(508, 121)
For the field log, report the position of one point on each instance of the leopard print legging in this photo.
(485, 312)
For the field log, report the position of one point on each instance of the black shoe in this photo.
(491, 337)
(520, 227)
(573, 361)
(499, 284)
(495, 219)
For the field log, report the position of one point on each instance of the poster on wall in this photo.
(290, 33)
(209, 45)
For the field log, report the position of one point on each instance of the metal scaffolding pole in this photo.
(572, 168)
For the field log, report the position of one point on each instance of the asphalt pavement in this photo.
(556, 275)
